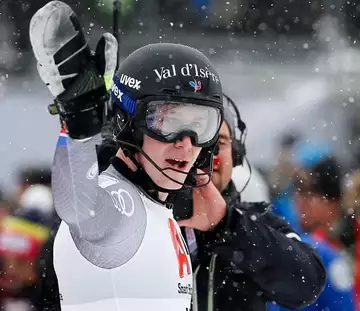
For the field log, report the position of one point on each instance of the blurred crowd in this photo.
(320, 196)
(27, 220)
(308, 186)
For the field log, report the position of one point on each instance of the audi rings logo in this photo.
(123, 201)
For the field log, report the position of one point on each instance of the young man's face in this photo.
(223, 167)
(180, 155)
(314, 209)
(168, 119)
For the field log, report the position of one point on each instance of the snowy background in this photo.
(291, 66)
(281, 83)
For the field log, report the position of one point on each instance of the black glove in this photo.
(76, 77)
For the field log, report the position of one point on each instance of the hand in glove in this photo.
(76, 77)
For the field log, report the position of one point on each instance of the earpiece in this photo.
(238, 147)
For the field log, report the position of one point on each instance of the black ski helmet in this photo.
(164, 72)
(166, 68)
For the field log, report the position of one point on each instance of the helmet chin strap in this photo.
(126, 157)
(124, 126)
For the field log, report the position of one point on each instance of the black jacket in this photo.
(250, 258)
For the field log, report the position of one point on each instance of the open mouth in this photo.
(179, 164)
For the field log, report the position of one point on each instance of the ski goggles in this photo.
(170, 121)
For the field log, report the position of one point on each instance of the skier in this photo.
(118, 246)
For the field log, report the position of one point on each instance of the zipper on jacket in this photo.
(210, 304)
(195, 298)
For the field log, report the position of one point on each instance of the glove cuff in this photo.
(83, 114)
(85, 124)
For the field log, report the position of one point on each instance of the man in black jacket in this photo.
(252, 257)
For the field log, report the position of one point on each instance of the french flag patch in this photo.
(62, 140)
